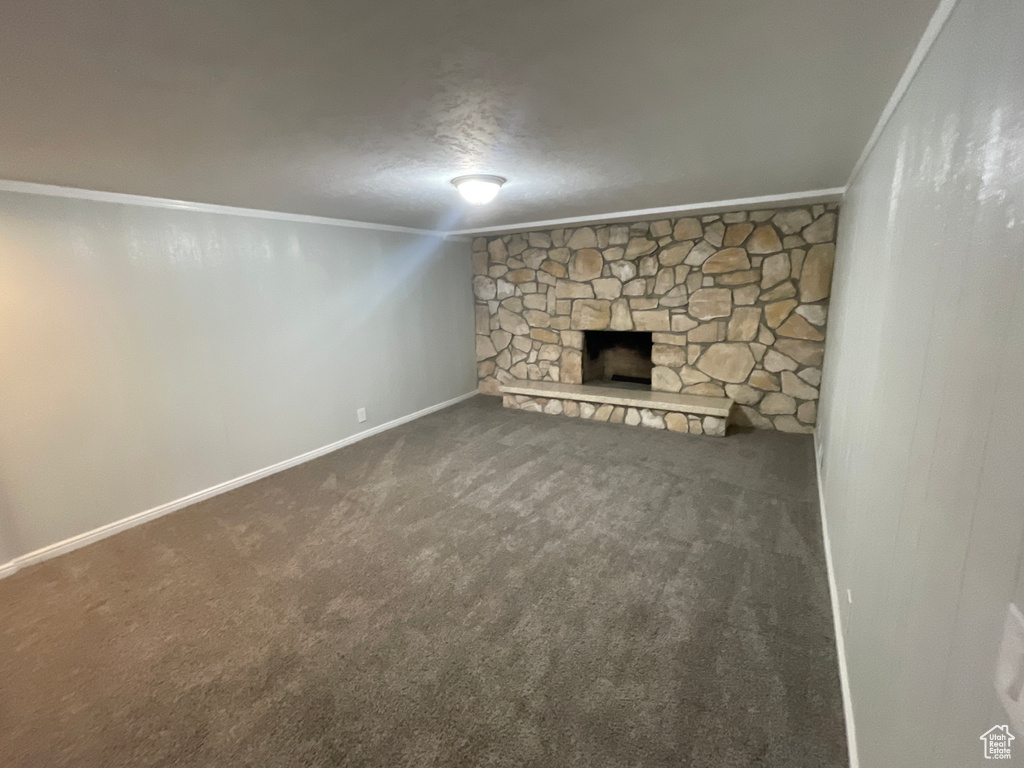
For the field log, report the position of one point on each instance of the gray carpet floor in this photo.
(480, 587)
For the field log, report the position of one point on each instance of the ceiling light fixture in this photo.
(478, 189)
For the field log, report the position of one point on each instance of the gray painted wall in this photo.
(146, 354)
(922, 420)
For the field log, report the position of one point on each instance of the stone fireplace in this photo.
(618, 358)
(723, 314)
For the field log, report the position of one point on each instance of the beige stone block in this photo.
(554, 269)
(622, 319)
(484, 348)
(607, 288)
(807, 413)
(811, 375)
(571, 408)
(485, 369)
(623, 270)
(709, 303)
(745, 294)
(500, 339)
(695, 425)
(689, 376)
(816, 275)
(815, 314)
(688, 229)
(572, 339)
(777, 403)
(743, 324)
(679, 339)
(739, 278)
(726, 260)
(734, 217)
(636, 287)
(764, 380)
(496, 248)
(586, 265)
(563, 306)
(677, 422)
(797, 327)
(713, 426)
(789, 424)
(774, 270)
(735, 234)
(544, 335)
(512, 322)
(565, 289)
(591, 314)
(506, 289)
(584, 237)
(792, 221)
(744, 393)
(535, 301)
(776, 312)
(554, 407)
(648, 266)
(534, 257)
(518, 276)
(661, 228)
(796, 387)
(603, 412)
(665, 379)
(727, 362)
(700, 253)
(587, 410)
(652, 419)
(668, 354)
(745, 416)
(560, 323)
(675, 254)
(571, 367)
(561, 255)
(482, 318)
(651, 320)
(806, 352)
(715, 233)
(707, 389)
(766, 337)
(780, 292)
(538, 239)
(497, 270)
(713, 331)
(480, 263)
(484, 288)
(796, 256)
(643, 302)
(632, 417)
(640, 246)
(513, 304)
(776, 361)
(821, 230)
(549, 353)
(537, 318)
(764, 239)
(618, 415)
(665, 281)
(682, 323)
(693, 352)
(677, 297)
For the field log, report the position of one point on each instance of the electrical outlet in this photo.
(1010, 668)
(361, 414)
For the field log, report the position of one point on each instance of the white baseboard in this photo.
(82, 539)
(833, 590)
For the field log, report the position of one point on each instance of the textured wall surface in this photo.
(922, 417)
(737, 303)
(147, 354)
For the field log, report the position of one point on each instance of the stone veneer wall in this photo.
(737, 303)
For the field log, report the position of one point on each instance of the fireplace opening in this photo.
(617, 358)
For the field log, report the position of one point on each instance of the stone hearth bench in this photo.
(696, 414)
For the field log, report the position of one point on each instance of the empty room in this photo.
(535, 384)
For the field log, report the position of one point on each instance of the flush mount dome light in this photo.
(478, 189)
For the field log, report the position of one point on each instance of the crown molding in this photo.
(765, 201)
(931, 34)
(50, 190)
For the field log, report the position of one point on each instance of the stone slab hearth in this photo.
(695, 414)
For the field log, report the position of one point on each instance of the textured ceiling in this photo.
(364, 110)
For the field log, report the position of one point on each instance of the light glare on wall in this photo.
(478, 189)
